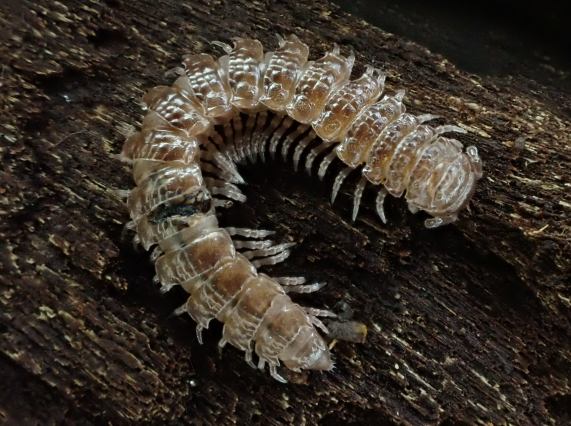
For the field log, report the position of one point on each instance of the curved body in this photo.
(173, 205)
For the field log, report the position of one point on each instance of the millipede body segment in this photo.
(242, 107)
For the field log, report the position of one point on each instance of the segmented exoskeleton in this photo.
(171, 207)
(394, 150)
(238, 108)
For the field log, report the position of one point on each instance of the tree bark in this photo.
(468, 323)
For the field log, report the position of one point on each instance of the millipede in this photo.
(242, 108)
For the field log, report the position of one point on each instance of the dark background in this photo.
(500, 38)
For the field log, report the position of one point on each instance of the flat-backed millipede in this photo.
(240, 108)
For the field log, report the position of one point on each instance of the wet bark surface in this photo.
(466, 323)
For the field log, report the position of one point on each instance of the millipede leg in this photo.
(217, 143)
(275, 375)
(221, 174)
(426, 117)
(199, 329)
(222, 343)
(320, 312)
(180, 310)
(319, 324)
(357, 197)
(230, 142)
(238, 139)
(324, 165)
(229, 190)
(266, 136)
(254, 146)
(270, 251)
(249, 128)
(292, 137)
(248, 359)
(249, 233)
(277, 136)
(259, 244)
(304, 289)
(224, 46)
(222, 161)
(293, 281)
(272, 260)
(379, 204)
(448, 129)
(315, 151)
(214, 138)
(207, 167)
(301, 146)
(338, 182)
(165, 288)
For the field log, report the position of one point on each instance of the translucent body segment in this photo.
(243, 320)
(151, 123)
(150, 233)
(195, 258)
(242, 69)
(207, 85)
(366, 129)
(346, 103)
(170, 183)
(281, 323)
(381, 152)
(428, 159)
(178, 107)
(404, 159)
(450, 186)
(282, 70)
(195, 226)
(218, 292)
(317, 82)
(443, 179)
(431, 161)
(287, 334)
(164, 144)
(159, 150)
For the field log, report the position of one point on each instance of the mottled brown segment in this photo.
(282, 70)
(366, 129)
(207, 251)
(207, 85)
(383, 148)
(345, 104)
(230, 278)
(177, 107)
(317, 82)
(244, 73)
(171, 182)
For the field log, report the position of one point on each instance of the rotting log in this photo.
(466, 323)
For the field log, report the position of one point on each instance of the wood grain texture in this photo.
(466, 323)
